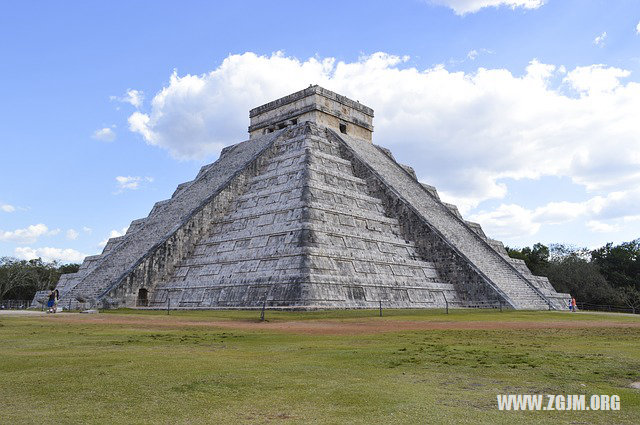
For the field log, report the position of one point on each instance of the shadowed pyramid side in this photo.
(464, 256)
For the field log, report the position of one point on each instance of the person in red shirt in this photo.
(573, 304)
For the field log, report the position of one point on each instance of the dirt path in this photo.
(334, 327)
(24, 313)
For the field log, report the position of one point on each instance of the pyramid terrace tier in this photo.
(305, 217)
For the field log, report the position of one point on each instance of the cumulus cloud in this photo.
(105, 134)
(638, 28)
(600, 227)
(132, 97)
(72, 234)
(29, 234)
(469, 130)
(595, 79)
(113, 234)
(462, 7)
(195, 116)
(507, 221)
(602, 214)
(64, 255)
(599, 40)
(131, 182)
(464, 132)
(87, 229)
(7, 208)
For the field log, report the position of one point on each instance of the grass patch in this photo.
(83, 371)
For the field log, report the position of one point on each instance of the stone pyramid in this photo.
(307, 213)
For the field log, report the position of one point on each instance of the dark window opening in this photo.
(143, 300)
(271, 130)
(294, 121)
(281, 126)
(343, 128)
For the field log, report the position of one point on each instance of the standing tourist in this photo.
(56, 297)
(51, 302)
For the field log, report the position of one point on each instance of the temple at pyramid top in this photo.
(313, 104)
(307, 213)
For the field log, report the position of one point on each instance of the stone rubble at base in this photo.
(308, 213)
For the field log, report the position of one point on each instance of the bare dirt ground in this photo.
(333, 327)
(22, 313)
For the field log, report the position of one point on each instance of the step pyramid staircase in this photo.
(308, 213)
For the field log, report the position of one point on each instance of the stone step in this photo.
(458, 233)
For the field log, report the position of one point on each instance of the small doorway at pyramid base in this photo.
(143, 298)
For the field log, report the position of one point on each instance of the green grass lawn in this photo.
(171, 370)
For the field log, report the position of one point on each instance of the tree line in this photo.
(609, 275)
(21, 279)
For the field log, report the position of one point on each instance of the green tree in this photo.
(69, 268)
(630, 296)
(570, 270)
(582, 279)
(15, 275)
(20, 279)
(536, 258)
(620, 264)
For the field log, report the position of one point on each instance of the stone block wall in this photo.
(403, 191)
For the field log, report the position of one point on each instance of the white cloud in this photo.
(131, 182)
(113, 234)
(472, 55)
(507, 221)
(599, 40)
(29, 234)
(132, 97)
(63, 255)
(72, 234)
(462, 7)
(601, 227)
(469, 130)
(601, 214)
(7, 208)
(195, 116)
(638, 28)
(464, 132)
(128, 182)
(105, 134)
(595, 79)
(87, 229)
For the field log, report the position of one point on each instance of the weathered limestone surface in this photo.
(165, 235)
(306, 214)
(305, 233)
(313, 104)
(403, 192)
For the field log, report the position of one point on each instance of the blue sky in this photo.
(522, 112)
